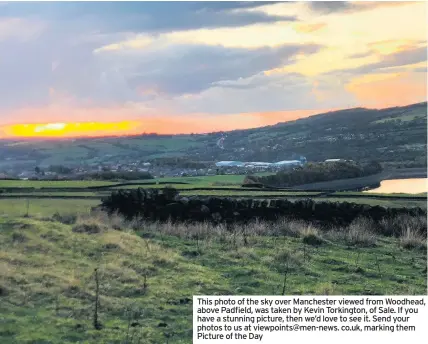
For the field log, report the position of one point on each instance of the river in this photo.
(408, 186)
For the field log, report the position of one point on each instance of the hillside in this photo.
(395, 135)
(147, 277)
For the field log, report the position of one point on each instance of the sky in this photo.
(105, 68)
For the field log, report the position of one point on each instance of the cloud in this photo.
(361, 55)
(259, 93)
(64, 69)
(327, 7)
(184, 69)
(20, 29)
(420, 70)
(147, 59)
(153, 17)
(308, 28)
(401, 58)
(58, 58)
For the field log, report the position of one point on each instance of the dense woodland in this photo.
(316, 172)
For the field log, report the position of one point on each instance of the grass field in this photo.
(245, 193)
(47, 279)
(81, 189)
(404, 195)
(203, 180)
(52, 184)
(45, 207)
(396, 203)
(149, 272)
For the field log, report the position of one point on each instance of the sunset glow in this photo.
(206, 66)
(70, 129)
(160, 125)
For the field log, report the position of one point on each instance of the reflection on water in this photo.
(409, 186)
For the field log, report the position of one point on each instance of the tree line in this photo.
(316, 172)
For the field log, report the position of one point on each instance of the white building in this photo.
(229, 164)
(288, 163)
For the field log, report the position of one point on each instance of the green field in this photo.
(48, 287)
(211, 180)
(396, 203)
(45, 193)
(52, 184)
(80, 189)
(244, 193)
(197, 181)
(404, 195)
(149, 272)
(44, 207)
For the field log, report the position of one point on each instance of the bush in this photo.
(89, 227)
(361, 233)
(67, 219)
(310, 235)
(413, 239)
(399, 224)
(286, 260)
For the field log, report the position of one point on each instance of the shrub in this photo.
(67, 219)
(310, 235)
(396, 225)
(89, 227)
(286, 260)
(413, 239)
(361, 233)
(312, 239)
(290, 228)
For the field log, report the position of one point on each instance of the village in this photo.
(147, 170)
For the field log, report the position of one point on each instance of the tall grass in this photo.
(411, 238)
(396, 225)
(362, 232)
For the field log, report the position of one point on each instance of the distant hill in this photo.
(395, 135)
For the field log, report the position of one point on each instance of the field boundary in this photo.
(269, 196)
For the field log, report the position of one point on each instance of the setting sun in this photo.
(71, 129)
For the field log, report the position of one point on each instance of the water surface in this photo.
(408, 186)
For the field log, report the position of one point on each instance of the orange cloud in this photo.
(392, 46)
(307, 28)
